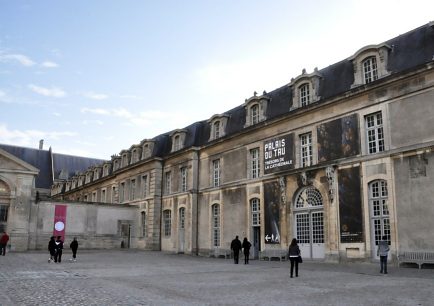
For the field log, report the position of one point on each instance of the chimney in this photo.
(41, 144)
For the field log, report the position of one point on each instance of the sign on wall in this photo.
(338, 138)
(350, 205)
(272, 212)
(59, 221)
(279, 153)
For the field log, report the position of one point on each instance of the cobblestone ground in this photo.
(130, 277)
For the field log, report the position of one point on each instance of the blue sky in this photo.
(94, 77)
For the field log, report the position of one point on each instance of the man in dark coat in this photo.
(74, 247)
(59, 250)
(236, 247)
(52, 247)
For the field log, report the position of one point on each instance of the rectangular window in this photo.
(183, 179)
(254, 114)
(121, 192)
(143, 224)
(145, 185)
(4, 213)
(168, 182)
(113, 194)
(306, 149)
(254, 163)
(85, 198)
(216, 129)
(216, 225)
(103, 196)
(256, 212)
(167, 217)
(94, 196)
(216, 172)
(374, 133)
(133, 190)
(370, 69)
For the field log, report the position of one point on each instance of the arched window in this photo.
(378, 198)
(304, 94)
(216, 129)
(256, 212)
(215, 210)
(254, 114)
(308, 197)
(370, 73)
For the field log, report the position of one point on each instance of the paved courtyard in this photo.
(131, 277)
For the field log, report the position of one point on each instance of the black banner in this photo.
(272, 212)
(350, 205)
(279, 154)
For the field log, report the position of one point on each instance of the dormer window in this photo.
(147, 148)
(256, 109)
(370, 69)
(178, 138)
(305, 88)
(370, 64)
(116, 162)
(135, 153)
(304, 94)
(218, 126)
(125, 159)
(106, 169)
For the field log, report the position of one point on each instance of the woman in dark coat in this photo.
(246, 246)
(294, 254)
(52, 248)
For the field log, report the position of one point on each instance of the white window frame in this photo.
(374, 126)
(255, 206)
(370, 69)
(216, 131)
(216, 173)
(304, 94)
(182, 218)
(255, 165)
(133, 186)
(121, 192)
(306, 150)
(145, 185)
(143, 215)
(380, 214)
(254, 114)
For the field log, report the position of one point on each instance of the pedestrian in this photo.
(294, 255)
(382, 251)
(236, 247)
(59, 250)
(52, 249)
(74, 247)
(3, 243)
(246, 246)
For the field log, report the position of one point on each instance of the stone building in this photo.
(26, 177)
(336, 158)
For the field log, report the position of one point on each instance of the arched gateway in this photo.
(309, 222)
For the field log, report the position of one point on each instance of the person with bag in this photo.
(52, 248)
(294, 256)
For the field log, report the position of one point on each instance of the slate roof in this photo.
(50, 164)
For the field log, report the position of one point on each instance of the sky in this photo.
(92, 78)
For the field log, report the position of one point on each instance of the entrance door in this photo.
(309, 222)
(380, 222)
(181, 230)
(256, 242)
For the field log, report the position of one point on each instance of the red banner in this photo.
(59, 221)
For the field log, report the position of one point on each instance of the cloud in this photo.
(92, 122)
(131, 97)
(48, 92)
(95, 96)
(30, 137)
(49, 64)
(2, 94)
(98, 111)
(20, 58)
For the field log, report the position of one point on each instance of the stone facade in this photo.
(336, 158)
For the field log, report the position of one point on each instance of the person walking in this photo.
(3, 243)
(294, 254)
(236, 247)
(383, 251)
(59, 250)
(74, 246)
(52, 247)
(246, 247)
